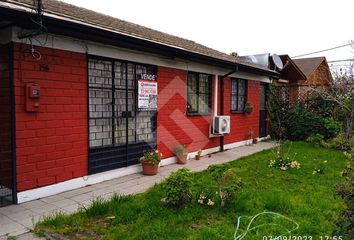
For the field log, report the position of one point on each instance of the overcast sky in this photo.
(248, 26)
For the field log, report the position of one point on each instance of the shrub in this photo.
(340, 142)
(316, 139)
(298, 121)
(317, 104)
(178, 187)
(345, 190)
(301, 123)
(227, 181)
(332, 128)
(292, 121)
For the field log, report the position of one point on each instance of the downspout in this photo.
(216, 82)
(222, 101)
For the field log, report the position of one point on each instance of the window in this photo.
(238, 94)
(113, 117)
(199, 93)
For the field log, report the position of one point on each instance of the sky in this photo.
(247, 27)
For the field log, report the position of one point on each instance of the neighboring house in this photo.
(83, 95)
(299, 76)
(291, 76)
(318, 74)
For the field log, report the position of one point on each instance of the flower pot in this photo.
(149, 169)
(182, 159)
(197, 157)
(254, 140)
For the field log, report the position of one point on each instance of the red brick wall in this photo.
(5, 119)
(176, 127)
(242, 123)
(52, 143)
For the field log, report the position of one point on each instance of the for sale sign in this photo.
(147, 95)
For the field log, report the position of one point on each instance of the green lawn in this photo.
(299, 195)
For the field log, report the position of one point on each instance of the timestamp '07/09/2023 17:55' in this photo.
(303, 237)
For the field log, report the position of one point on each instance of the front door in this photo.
(7, 174)
(118, 132)
(263, 110)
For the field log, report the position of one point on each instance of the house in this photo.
(83, 95)
(291, 76)
(299, 76)
(318, 74)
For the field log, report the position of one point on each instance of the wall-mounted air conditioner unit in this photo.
(221, 125)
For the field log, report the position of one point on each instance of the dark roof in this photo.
(291, 71)
(58, 9)
(308, 65)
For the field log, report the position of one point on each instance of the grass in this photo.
(299, 195)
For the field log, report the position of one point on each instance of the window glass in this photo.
(238, 94)
(199, 93)
(113, 116)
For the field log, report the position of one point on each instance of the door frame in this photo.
(264, 112)
(13, 122)
(9, 189)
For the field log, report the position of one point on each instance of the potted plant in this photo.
(255, 140)
(199, 153)
(181, 153)
(248, 108)
(150, 162)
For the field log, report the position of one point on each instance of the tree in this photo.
(341, 93)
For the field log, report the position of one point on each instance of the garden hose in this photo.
(249, 229)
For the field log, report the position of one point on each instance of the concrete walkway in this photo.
(19, 219)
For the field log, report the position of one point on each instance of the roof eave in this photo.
(85, 32)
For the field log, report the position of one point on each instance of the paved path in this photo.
(19, 219)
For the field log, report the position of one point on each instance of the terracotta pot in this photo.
(149, 169)
(197, 157)
(254, 140)
(182, 159)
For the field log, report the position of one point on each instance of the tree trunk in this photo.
(349, 127)
(350, 122)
